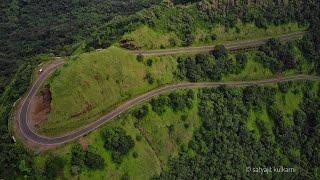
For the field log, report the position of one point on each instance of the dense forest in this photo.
(224, 147)
(29, 28)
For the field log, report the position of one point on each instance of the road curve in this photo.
(232, 45)
(28, 133)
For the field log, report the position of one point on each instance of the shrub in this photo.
(94, 161)
(140, 57)
(149, 62)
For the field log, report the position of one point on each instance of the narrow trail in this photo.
(23, 112)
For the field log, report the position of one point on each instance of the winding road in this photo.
(27, 131)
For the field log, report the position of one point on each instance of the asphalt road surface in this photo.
(28, 133)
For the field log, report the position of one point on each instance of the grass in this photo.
(250, 31)
(155, 129)
(149, 38)
(252, 71)
(288, 103)
(81, 94)
(154, 150)
(263, 116)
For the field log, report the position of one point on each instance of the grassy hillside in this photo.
(146, 37)
(154, 149)
(114, 75)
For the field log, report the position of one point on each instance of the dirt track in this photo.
(28, 133)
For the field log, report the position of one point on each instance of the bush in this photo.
(94, 161)
(149, 62)
(138, 137)
(141, 113)
(135, 155)
(140, 57)
(149, 78)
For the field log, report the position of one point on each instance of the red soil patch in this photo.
(40, 107)
(84, 143)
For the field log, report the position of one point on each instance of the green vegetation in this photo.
(147, 38)
(163, 143)
(226, 114)
(118, 143)
(284, 119)
(156, 138)
(90, 92)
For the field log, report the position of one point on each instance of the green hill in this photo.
(94, 83)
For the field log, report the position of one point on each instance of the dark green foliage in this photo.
(186, 125)
(138, 137)
(149, 78)
(170, 129)
(14, 159)
(184, 117)
(94, 161)
(118, 143)
(54, 167)
(140, 57)
(149, 62)
(277, 57)
(159, 104)
(135, 155)
(80, 158)
(241, 62)
(184, 1)
(224, 147)
(220, 51)
(199, 68)
(141, 112)
(284, 86)
(179, 101)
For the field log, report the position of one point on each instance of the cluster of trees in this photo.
(212, 66)
(277, 57)
(118, 142)
(81, 158)
(183, 21)
(223, 146)
(14, 159)
(177, 101)
(309, 45)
